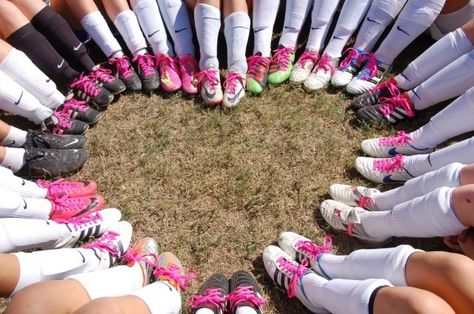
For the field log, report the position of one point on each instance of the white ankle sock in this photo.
(352, 13)
(208, 23)
(205, 311)
(245, 310)
(160, 297)
(447, 176)
(95, 24)
(127, 25)
(415, 18)
(446, 23)
(22, 70)
(112, 282)
(427, 216)
(175, 15)
(321, 18)
(14, 158)
(237, 28)
(449, 82)
(264, 16)
(439, 55)
(379, 17)
(295, 15)
(150, 20)
(389, 264)
(14, 138)
(25, 188)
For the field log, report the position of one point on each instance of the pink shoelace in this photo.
(255, 61)
(244, 294)
(313, 250)
(132, 257)
(105, 243)
(63, 122)
(230, 83)
(59, 187)
(325, 64)
(370, 69)
(146, 64)
(366, 202)
(211, 296)
(400, 139)
(75, 104)
(79, 222)
(388, 165)
(163, 61)
(86, 84)
(296, 269)
(311, 56)
(67, 204)
(349, 226)
(173, 272)
(210, 76)
(390, 84)
(123, 66)
(103, 75)
(281, 59)
(352, 56)
(392, 103)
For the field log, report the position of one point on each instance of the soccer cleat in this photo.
(78, 110)
(147, 72)
(189, 69)
(105, 78)
(38, 139)
(390, 146)
(387, 89)
(145, 253)
(169, 73)
(60, 123)
(348, 68)
(353, 195)
(257, 73)
(112, 245)
(126, 73)
(244, 291)
(47, 163)
(88, 90)
(171, 271)
(303, 67)
(234, 90)
(212, 295)
(62, 187)
(370, 75)
(93, 225)
(211, 91)
(64, 208)
(281, 65)
(383, 170)
(391, 110)
(321, 74)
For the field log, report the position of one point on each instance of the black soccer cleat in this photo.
(386, 89)
(127, 74)
(105, 78)
(88, 90)
(37, 139)
(212, 294)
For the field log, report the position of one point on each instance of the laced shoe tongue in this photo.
(105, 243)
(399, 139)
(314, 250)
(211, 298)
(245, 296)
(296, 270)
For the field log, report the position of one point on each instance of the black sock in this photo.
(62, 38)
(43, 55)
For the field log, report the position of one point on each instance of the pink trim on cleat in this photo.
(86, 85)
(65, 207)
(211, 296)
(169, 73)
(173, 272)
(244, 295)
(105, 243)
(325, 64)
(390, 104)
(388, 165)
(63, 187)
(400, 139)
(145, 64)
(189, 69)
(124, 68)
(297, 271)
(312, 250)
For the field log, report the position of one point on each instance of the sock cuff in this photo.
(461, 41)
(450, 221)
(396, 265)
(207, 11)
(27, 31)
(359, 299)
(93, 18)
(124, 15)
(43, 17)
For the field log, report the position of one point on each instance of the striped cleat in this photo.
(85, 88)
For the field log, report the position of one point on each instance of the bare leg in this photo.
(462, 201)
(11, 17)
(453, 5)
(118, 305)
(231, 6)
(29, 7)
(468, 29)
(2, 153)
(5, 48)
(466, 176)
(80, 8)
(4, 129)
(214, 3)
(114, 7)
(10, 271)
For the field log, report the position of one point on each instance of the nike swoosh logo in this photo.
(208, 94)
(83, 258)
(25, 206)
(23, 182)
(180, 30)
(72, 143)
(373, 21)
(48, 80)
(403, 31)
(335, 37)
(314, 28)
(150, 35)
(258, 30)
(233, 99)
(93, 204)
(288, 27)
(61, 64)
(11, 144)
(392, 151)
(77, 48)
(388, 179)
(21, 96)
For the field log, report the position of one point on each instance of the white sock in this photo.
(379, 17)
(150, 20)
(339, 295)
(112, 282)
(415, 18)
(427, 216)
(160, 297)
(447, 176)
(175, 15)
(19, 234)
(205, 311)
(127, 25)
(237, 29)
(449, 82)
(263, 19)
(95, 24)
(14, 138)
(25, 188)
(446, 23)
(15, 206)
(439, 55)
(352, 13)
(295, 15)
(462, 152)
(321, 18)
(208, 23)
(22, 70)
(14, 158)
(245, 310)
(15, 99)
(389, 264)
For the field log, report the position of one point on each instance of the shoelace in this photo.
(244, 294)
(255, 62)
(106, 243)
(80, 222)
(230, 83)
(123, 66)
(281, 59)
(370, 68)
(210, 296)
(388, 165)
(349, 221)
(313, 250)
(352, 58)
(74, 104)
(390, 85)
(188, 65)
(102, 75)
(311, 56)
(145, 64)
(392, 103)
(86, 84)
(67, 204)
(163, 61)
(296, 269)
(325, 64)
(58, 187)
(400, 139)
(132, 257)
(173, 272)
(64, 123)
(366, 202)
(210, 76)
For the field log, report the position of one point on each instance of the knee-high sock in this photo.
(443, 52)
(208, 23)
(15, 99)
(321, 18)
(95, 24)
(352, 13)
(389, 264)
(237, 28)
(160, 297)
(446, 23)
(328, 294)
(264, 16)
(14, 138)
(295, 15)
(58, 32)
(113, 282)
(15, 206)
(25, 188)
(447, 176)
(20, 68)
(379, 17)
(452, 81)
(430, 215)
(127, 25)
(150, 20)
(415, 18)
(175, 15)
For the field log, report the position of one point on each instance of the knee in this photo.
(102, 305)
(458, 266)
(428, 303)
(29, 300)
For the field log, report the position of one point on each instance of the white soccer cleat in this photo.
(211, 90)
(370, 75)
(234, 90)
(390, 146)
(348, 68)
(383, 170)
(353, 195)
(321, 74)
(303, 67)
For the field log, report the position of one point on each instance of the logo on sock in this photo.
(373, 21)
(388, 179)
(317, 27)
(77, 48)
(23, 182)
(25, 206)
(21, 96)
(402, 30)
(48, 80)
(180, 30)
(150, 35)
(13, 143)
(258, 30)
(336, 37)
(83, 258)
(61, 64)
(289, 27)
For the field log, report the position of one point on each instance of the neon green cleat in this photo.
(281, 65)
